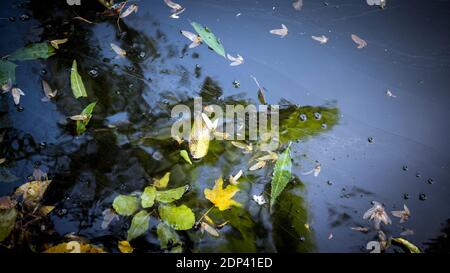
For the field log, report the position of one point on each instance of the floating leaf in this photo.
(283, 31)
(235, 60)
(194, 38)
(179, 218)
(119, 51)
(76, 82)
(221, 197)
(75, 247)
(56, 43)
(162, 182)
(209, 38)
(87, 112)
(7, 73)
(16, 94)
(49, 93)
(6, 203)
(169, 196)
(184, 154)
(360, 42)
(297, 5)
(321, 39)
(168, 238)
(148, 197)
(125, 247)
(7, 222)
(281, 174)
(410, 246)
(139, 225)
(132, 8)
(33, 52)
(32, 192)
(125, 205)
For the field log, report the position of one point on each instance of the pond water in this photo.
(375, 147)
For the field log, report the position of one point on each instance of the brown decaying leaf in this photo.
(16, 93)
(57, 42)
(283, 31)
(119, 51)
(194, 38)
(6, 203)
(208, 228)
(49, 93)
(360, 42)
(32, 192)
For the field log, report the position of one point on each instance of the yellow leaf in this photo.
(45, 210)
(74, 247)
(56, 43)
(162, 182)
(125, 247)
(32, 192)
(199, 138)
(221, 197)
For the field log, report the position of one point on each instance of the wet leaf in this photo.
(234, 179)
(139, 225)
(16, 94)
(235, 60)
(119, 51)
(132, 8)
(2, 160)
(179, 218)
(321, 39)
(108, 216)
(243, 146)
(360, 42)
(377, 214)
(33, 52)
(184, 154)
(281, 174)
(171, 195)
(222, 197)
(283, 31)
(194, 38)
(49, 93)
(75, 247)
(381, 3)
(76, 82)
(87, 113)
(261, 96)
(199, 138)
(258, 165)
(407, 244)
(390, 94)
(209, 38)
(360, 229)
(32, 192)
(7, 73)
(168, 238)
(125, 205)
(148, 197)
(162, 182)
(209, 229)
(56, 43)
(7, 222)
(125, 247)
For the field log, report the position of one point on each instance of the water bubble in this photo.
(236, 84)
(93, 72)
(303, 117)
(142, 55)
(370, 139)
(302, 239)
(25, 17)
(317, 115)
(430, 181)
(423, 197)
(405, 168)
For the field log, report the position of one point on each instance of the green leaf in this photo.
(148, 197)
(76, 82)
(81, 124)
(33, 52)
(168, 238)
(7, 72)
(125, 205)
(184, 154)
(170, 195)
(163, 181)
(179, 218)
(407, 244)
(281, 174)
(139, 225)
(7, 222)
(209, 38)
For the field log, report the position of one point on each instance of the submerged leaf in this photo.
(222, 197)
(125, 205)
(281, 174)
(209, 38)
(139, 225)
(7, 74)
(148, 197)
(33, 52)
(179, 218)
(7, 222)
(209, 229)
(87, 112)
(76, 82)
(171, 195)
(162, 182)
(108, 216)
(168, 238)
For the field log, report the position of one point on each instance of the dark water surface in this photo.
(127, 142)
